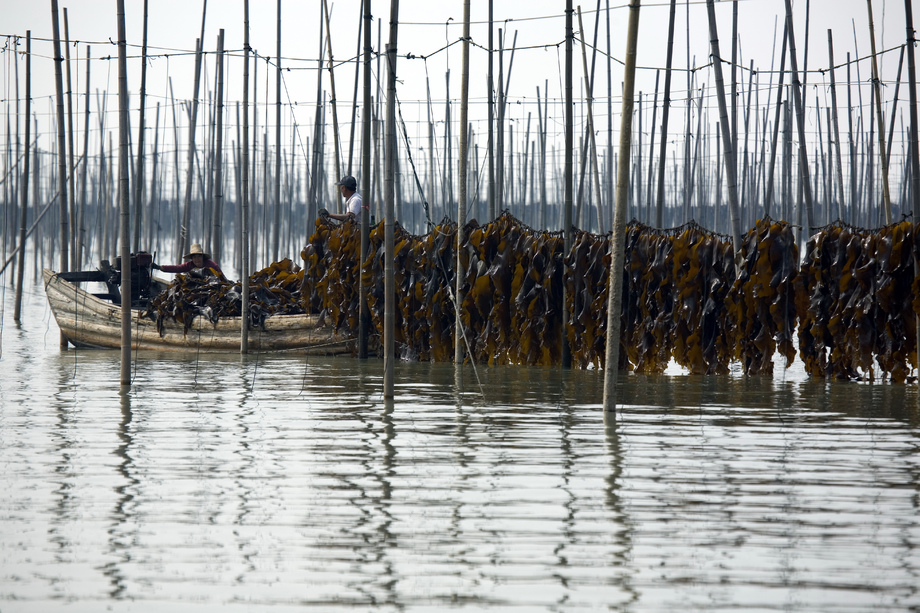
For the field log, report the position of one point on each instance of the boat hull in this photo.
(89, 321)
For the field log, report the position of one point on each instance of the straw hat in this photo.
(196, 250)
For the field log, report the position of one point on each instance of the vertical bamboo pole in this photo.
(800, 121)
(365, 182)
(567, 203)
(154, 189)
(500, 132)
(139, 182)
(125, 199)
(882, 151)
(61, 146)
(276, 231)
(618, 236)
(335, 116)
(853, 206)
(217, 210)
(244, 209)
(894, 106)
(608, 163)
(354, 99)
(734, 78)
(914, 151)
(389, 318)
(74, 264)
(665, 111)
(651, 152)
(313, 202)
(462, 171)
(841, 196)
(542, 129)
(83, 169)
(593, 143)
(183, 240)
(729, 155)
(768, 199)
(24, 184)
(493, 206)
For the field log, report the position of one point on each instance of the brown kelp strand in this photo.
(854, 302)
(761, 303)
(274, 290)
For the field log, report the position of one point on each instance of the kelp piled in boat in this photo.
(854, 302)
(274, 290)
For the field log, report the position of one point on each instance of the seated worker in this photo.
(348, 187)
(195, 258)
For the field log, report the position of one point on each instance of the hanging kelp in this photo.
(761, 303)
(684, 299)
(854, 304)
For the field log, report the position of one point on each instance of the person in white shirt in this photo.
(348, 186)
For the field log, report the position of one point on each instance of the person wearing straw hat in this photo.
(195, 258)
(348, 187)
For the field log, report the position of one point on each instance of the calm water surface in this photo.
(270, 483)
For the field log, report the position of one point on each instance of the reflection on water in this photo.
(288, 483)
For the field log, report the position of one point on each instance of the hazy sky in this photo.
(425, 28)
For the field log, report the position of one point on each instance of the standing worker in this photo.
(348, 187)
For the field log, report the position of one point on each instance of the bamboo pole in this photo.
(335, 116)
(61, 144)
(217, 211)
(313, 202)
(276, 231)
(493, 206)
(882, 151)
(542, 128)
(139, 182)
(608, 157)
(24, 184)
(618, 236)
(124, 199)
(567, 182)
(61, 147)
(75, 263)
(154, 190)
(364, 313)
(800, 121)
(592, 141)
(728, 154)
(894, 105)
(841, 202)
(851, 144)
(354, 99)
(182, 242)
(462, 179)
(734, 81)
(768, 199)
(244, 190)
(914, 144)
(665, 111)
(389, 319)
(651, 152)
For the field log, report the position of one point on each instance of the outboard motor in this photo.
(140, 278)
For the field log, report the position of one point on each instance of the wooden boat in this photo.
(94, 320)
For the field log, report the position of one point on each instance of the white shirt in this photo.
(353, 204)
